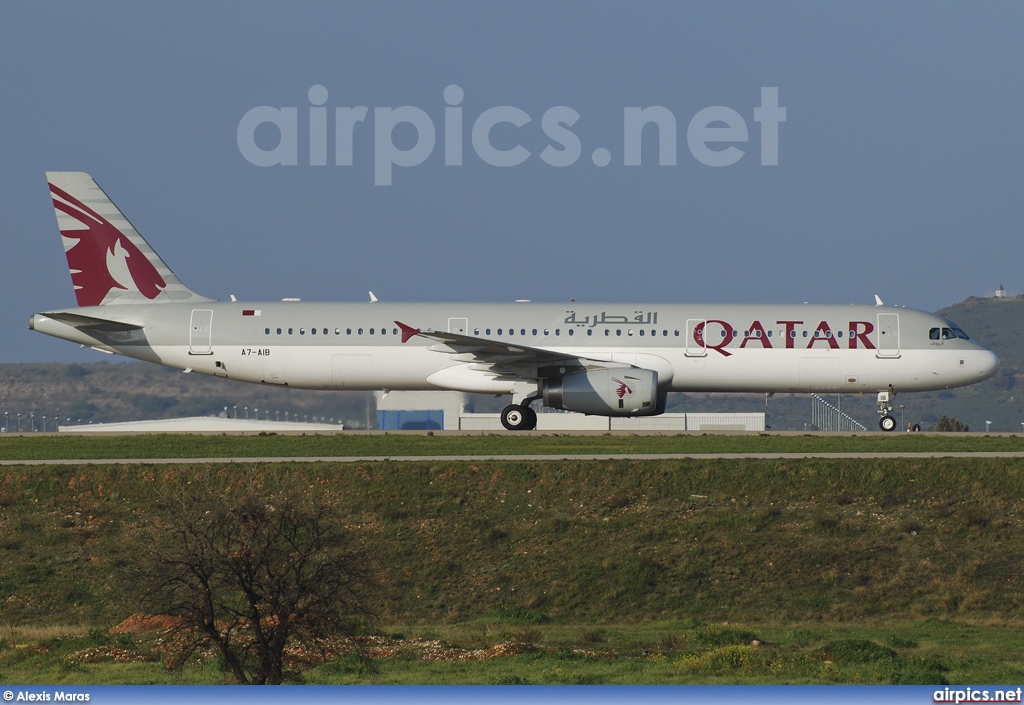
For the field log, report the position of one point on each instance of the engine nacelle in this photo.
(626, 391)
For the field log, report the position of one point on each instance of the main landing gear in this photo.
(887, 422)
(520, 417)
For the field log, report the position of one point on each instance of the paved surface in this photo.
(552, 456)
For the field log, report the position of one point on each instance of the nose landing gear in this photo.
(887, 422)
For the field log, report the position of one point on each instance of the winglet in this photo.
(878, 300)
(407, 331)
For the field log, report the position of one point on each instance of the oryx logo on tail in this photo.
(100, 256)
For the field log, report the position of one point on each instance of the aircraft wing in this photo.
(505, 358)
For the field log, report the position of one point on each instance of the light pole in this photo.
(33, 418)
(902, 420)
(19, 422)
(7, 425)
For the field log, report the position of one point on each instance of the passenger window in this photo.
(313, 331)
(607, 332)
(279, 331)
(590, 331)
(360, 331)
(371, 331)
(572, 332)
(290, 331)
(302, 331)
(499, 331)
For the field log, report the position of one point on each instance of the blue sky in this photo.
(899, 161)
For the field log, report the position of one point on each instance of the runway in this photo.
(513, 458)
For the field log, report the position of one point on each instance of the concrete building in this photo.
(451, 411)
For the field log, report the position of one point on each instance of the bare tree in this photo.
(249, 571)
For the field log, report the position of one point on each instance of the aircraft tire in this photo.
(887, 423)
(518, 418)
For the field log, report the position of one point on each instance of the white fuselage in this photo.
(723, 348)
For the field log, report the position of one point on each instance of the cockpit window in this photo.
(946, 334)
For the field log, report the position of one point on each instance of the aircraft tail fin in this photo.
(109, 260)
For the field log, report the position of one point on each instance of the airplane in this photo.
(609, 359)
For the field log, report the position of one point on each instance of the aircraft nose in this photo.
(988, 363)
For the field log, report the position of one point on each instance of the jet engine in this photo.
(626, 391)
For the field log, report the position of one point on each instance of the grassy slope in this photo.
(587, 541)
(914, 552)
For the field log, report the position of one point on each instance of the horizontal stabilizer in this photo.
(89, 323)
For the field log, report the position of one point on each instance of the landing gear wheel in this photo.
(887, 423)
(518, 418)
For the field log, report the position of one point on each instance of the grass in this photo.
(662, 652)
(658, 570)
(33, 447)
